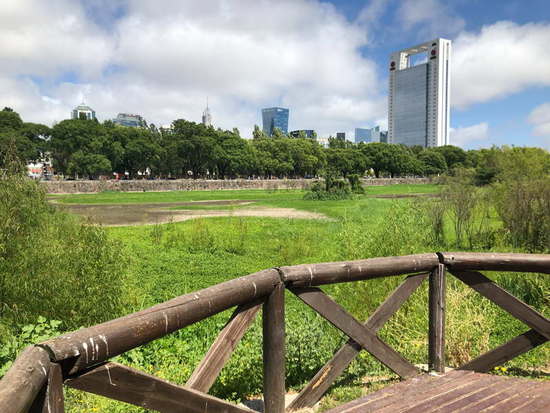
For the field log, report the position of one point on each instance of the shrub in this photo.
(524, 208)
(330, 189)
(50, 263)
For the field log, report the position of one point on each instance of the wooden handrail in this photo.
(36, 377)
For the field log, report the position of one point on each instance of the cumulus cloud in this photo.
(540, 119)
(49, 38)
(163, 62)
(431, 17)
(502, 59)
(475, 135)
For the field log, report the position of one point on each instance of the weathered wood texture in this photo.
(273, 321)
(220, 351)
(505, 300)
(315, 389)
(361, 334)
(453, 392)
(24, 380)
(436, 323)
(334, 272)
(496, 261)
(132, 386)
(506, 352)
(50, 399)
(93, 345)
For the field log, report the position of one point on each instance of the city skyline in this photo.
(331, 72)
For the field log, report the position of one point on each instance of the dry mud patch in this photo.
(158, 213)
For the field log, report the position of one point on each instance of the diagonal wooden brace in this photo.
(505, 300)
(132, 386)
(220, 351)
(500, 355)
(320, 383)
(361, 334)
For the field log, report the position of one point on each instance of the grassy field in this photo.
(114, 197)
(176, 258)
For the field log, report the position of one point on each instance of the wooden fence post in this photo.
(436, 351)
(274, 350)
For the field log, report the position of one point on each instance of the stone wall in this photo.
(74, 187)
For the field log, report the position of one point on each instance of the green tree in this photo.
(454, 156)
(258, 133)
(433, 162)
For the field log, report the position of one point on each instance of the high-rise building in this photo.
(206, 116)
(419, 98)
(274, 118)
(309, 133)
(341, 136)
(369, 135)
(83, 111)
(127, 119)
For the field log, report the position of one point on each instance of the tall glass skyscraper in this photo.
(275, 118)
(419, 99)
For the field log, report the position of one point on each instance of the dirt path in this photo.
(158, 213)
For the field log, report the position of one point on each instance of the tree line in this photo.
(89, 149)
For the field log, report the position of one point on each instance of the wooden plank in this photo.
(24, 380)
(401, 394)
(492, 261)
(497, 388)
(315, 389)
(436, 334)
(505, 394)
(220, 351)
(505, 300)
(273, 322)
(422, 403)
(93, 345)
(500, 355)
(333, 272)
(361, 334)
(132, 386)
(402, 391)
(51, 400)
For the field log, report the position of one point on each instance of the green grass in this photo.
(177, 258)
(113, 197)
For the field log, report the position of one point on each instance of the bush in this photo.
(524, 208)
(51, 264)
(330, 189)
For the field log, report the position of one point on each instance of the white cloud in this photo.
(431, 18)
(475, 135)
(242, 55)
(540, 119)
(49, 38)
(502, 59)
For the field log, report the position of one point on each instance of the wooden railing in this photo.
(80, 359)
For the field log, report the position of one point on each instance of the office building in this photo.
(132, 121)
(310, 133)
(341, 136)
(369, 135)
(275, 118)
(419, 98)
(384, 136)
(83, 111)
(206, 116)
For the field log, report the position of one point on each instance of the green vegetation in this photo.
(87, 149)
(135, 267)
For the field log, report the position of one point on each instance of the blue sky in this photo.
(326, 61)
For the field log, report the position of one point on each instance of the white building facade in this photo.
(419, 98)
